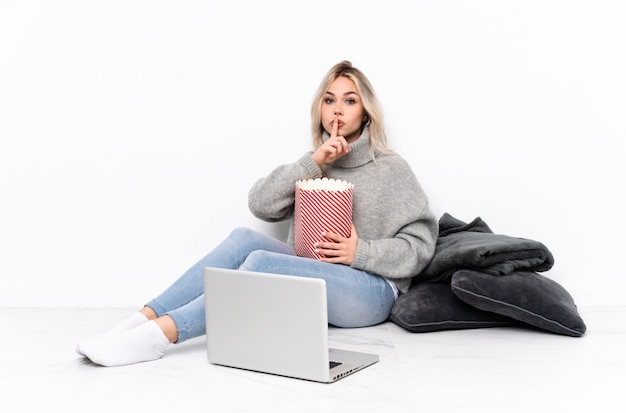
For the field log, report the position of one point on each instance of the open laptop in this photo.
(273, 324)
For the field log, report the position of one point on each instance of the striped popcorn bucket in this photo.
(322, 205)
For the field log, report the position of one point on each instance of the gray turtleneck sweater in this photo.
(396, 229)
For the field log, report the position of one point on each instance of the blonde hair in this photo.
(378, 140)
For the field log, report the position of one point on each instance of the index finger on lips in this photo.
(333, 134)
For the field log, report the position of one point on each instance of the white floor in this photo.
(485, 370)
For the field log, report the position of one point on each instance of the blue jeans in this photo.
(355, 298)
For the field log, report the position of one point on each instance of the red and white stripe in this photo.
(318, 211)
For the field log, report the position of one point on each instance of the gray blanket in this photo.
(475, 246)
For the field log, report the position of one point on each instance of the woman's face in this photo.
(341, 100)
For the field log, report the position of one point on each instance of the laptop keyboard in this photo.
(334, 364)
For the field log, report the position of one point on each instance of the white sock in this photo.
(128, 324)
(131, 322)
(143, 343)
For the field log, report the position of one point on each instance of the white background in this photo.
(132, 130)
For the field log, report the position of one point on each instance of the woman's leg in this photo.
(355, 298)
(177, 314)
(230, 253)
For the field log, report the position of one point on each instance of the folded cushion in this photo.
(524, 296)
(475, 246)
(430, 307)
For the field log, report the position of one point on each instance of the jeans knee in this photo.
(242, 233)
(256, 261)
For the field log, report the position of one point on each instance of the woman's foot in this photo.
(130, 323)
(145, 342)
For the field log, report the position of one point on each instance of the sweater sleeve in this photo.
(272, 198)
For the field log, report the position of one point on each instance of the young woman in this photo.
(393, 233)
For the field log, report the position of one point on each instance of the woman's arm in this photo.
(272, 198)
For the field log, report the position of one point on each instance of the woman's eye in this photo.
(328, 101)
(350, 101)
